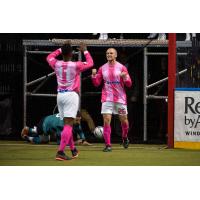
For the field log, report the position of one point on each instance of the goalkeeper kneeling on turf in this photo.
(52, 126)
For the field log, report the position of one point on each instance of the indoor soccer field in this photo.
(24, 154)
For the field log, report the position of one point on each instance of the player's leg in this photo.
(107, 128)
(106, 111)
(44, 139)
(107, 131)
(85, 116)
(73, 148)
(65, 137)
(40, 139)
(68, 106)
(77, 130)
(125, 128)
(121, 110)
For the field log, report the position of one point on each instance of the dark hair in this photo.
(66, 49)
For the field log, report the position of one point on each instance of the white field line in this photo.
(93, 146)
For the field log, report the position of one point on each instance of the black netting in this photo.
(5, 117)
(188, 66)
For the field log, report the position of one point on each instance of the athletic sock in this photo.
(65, 137)
(71, 143)
(107, 134)
(125, 127)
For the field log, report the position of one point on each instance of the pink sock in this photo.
(125, 127)
(107, 134)
(71, 143)
(65, 137)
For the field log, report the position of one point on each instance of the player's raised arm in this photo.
(97, 77)
(82, 66)
(51, 58)
(126, 77)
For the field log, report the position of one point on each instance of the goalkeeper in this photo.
(52, 125)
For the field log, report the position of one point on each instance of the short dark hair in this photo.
(66, 49)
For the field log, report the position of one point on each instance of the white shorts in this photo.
(68, 104)
(114, 108)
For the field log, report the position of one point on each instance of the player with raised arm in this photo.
(68, 80)
(115, 77)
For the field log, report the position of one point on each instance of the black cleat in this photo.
(125, 143)
(62, 156)
(74, 153)
(107, 149)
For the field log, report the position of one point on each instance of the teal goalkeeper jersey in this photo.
(53, 123)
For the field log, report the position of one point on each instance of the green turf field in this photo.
(24, 154)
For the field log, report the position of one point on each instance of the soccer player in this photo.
(114, 76)
(51, 125)
(68, 80)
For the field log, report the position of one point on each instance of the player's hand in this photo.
(94, 72)
(82, 47)
(123, 74)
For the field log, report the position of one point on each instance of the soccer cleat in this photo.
(74, 153)
(62, 156)
(107, 149)
(125, 143)
(24, 133)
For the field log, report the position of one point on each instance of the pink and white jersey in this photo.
(113, 89)
(68, 73)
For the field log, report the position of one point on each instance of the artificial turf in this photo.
(24, 154)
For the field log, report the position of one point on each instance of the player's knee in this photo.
(123, 119)
(107, 121)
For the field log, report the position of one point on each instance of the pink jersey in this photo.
(68, 73)
(113, 89)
